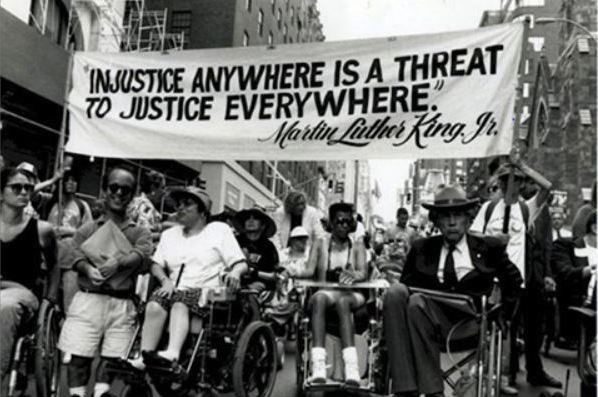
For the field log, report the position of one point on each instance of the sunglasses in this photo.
(185, 202)
(125, 190)
(492, 189)
(19, 187)
(343, 221)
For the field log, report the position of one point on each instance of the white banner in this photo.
(448, 95)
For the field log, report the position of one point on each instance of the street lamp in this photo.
(545, 20)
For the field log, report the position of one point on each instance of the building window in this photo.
(292, 15)
(583, 46)
(285, 31)
(585, 117)
(525, 90)
(526, 71)
(248, 5)
(56, 20)
(181, 23)
(245, 39)
(287, 4)
(279, 18)
(273, 5)
(260, 22)
(270, 38)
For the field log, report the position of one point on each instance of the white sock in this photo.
(169, 355)
(100, 388)
(80, 391)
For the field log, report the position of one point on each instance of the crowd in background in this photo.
(164, 228)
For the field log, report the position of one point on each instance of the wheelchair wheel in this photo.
(254, 367)
(300, 373)
(47, 357)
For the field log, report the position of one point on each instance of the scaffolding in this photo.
(145, 30)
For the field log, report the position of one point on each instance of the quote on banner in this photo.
(427, 96)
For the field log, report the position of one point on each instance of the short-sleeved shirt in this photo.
(517, 228)
(71, 214)
(205, 255)
(293, 263)
(139, 237)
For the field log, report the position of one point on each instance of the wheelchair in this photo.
(36, 351)
(230, 351)
(480, 337)
(586, 350)
(368, 328)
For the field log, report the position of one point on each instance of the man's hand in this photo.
(109, 267)
(94, 275)
(587, 271)
(549, 284)
(167, 288)
(233, 279)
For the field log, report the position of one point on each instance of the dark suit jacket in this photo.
(488, 257)
(568, 271)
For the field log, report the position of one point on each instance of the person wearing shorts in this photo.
(194, 253)
(101, 317)
(335, 258)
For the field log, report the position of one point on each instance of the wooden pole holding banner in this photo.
(511, 196)
(59, 164)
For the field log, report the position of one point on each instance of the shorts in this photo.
(334, 295)
(98, 323)
(188, 297)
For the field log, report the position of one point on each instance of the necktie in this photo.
(449, 274)
(558, 234)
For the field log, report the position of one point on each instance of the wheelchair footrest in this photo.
(160, 366)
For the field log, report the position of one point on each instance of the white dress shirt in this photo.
(461, 257)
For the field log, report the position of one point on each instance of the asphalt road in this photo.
(557, 365)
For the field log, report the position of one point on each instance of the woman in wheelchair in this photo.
(336, 258)
(25, 241)
(195, 253)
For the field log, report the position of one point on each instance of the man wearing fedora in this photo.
(522, 226)
(255, 229)
(416, 324)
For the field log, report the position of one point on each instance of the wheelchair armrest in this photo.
(585, 313)
(441, 294)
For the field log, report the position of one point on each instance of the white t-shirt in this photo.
(205, 255)
(295, 264)
(517, 228)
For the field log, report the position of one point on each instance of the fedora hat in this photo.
(192, 191)
(450, 198)
(241, 217)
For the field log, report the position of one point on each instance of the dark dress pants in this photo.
(415, 328)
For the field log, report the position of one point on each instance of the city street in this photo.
(557, 365)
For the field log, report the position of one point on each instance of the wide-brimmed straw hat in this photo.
(450, 198)
(259, 213)
(193, 192)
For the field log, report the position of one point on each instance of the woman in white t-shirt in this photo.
(194, 253)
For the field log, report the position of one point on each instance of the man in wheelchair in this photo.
(455, 262)
(25, 242)
(195, 253)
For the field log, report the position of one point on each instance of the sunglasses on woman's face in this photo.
(343, 221)
(19, 187)
(125, 190)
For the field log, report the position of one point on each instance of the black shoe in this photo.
(544, 380)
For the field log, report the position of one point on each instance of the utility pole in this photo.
(356, 186)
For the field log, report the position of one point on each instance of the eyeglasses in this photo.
(125, 190)
(19, 187)
(185, 202)
(343, 221)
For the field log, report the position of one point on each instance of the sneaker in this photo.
(352, 376)
(137, 363)
(318, 365)
(505, 388)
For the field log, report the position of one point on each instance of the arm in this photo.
(539, 179)
(50, 253)
(360, 272)
(312, 262)
(47, 183)
(563, 261)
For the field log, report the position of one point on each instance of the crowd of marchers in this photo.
(92, 254)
